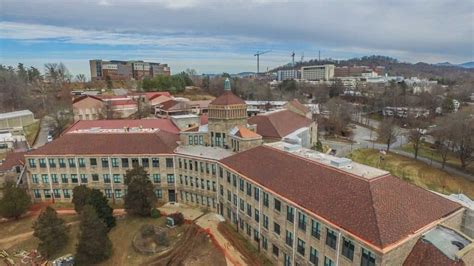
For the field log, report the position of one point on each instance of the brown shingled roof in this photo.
(244, 132)
(12, 159)
(278, 124)
(110, 143)
(295, 103)
(382, 211)
(425, 254)
(227, 98)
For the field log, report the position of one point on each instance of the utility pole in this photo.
(319, 56)
(258, 59)
(293, 58)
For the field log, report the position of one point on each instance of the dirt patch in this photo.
(249, 252)
(194, 248)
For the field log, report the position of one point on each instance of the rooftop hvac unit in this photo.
(341, 162)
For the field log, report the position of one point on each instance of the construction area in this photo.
(199, 241)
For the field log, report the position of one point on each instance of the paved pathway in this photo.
(43, 133)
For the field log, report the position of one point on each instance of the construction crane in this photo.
(258, 54)
(293, 58)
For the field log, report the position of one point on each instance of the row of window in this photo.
(196, 140)
(67, 193)
(197, 166)
(198, 199)
(93, 162)
(197, 182)
(84, 178)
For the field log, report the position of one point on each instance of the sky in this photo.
(214, 36)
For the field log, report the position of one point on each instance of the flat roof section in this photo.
(213, 153)
(15, 114)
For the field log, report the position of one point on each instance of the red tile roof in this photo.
(110, 143)
(425, 254)
(244, 132)
(123, 102)
(278, 124)
(82, 97)
(381, 211)
(227, 98)
(174, 105)
(162, 124)
(12, 159)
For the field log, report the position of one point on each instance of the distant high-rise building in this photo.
(126, 70)
(288, 74)
(321, 72)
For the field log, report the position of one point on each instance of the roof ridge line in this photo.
(375, 214)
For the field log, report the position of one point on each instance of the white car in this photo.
(50, 138)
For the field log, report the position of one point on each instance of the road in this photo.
(364, 138)
(43, 132)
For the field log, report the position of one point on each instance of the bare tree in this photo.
(388, 131)
(415, 135)
(81, 78)
(443, 136)
(463, 136)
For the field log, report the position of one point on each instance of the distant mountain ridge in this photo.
(463, 65)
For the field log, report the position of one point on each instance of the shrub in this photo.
(155, 213)
(162, 239)
(147, 231)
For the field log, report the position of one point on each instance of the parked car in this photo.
(50, 138)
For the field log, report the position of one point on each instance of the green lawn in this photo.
(428, 152)
(31, 131)
(416, 172)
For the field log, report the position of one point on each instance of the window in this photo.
(257, 216)
(145, 162)
(228, 177)
(229, 196)
(34, 178)
(105, 162)
(83, 178)
(169, 162)
(213, 169)
(275, 250)
(214, 186)
(277, 205)
(368, 258)
(331, 238)
(118, 193)
(289, 238)
(156, 178)
(328, 261)
(56, 193)
(45, 179)
(95, 177)
(256, 193)
(74, 178)
(234, 200)
(201, 167)
(234, 180)
(265, 199)
(42, 163)
(170, 178)
(93, 161)
(287, 261)
(125, 163)
(61, 163)
(256, 235)
(190, 140)
(315, 229)
(117, 178)
(265, 221)
(347, 248)
(290, 213)
(159, 193)
(66, 193)
(108, 193)
(106, 178)
(276, 228)
(313, 256)
(241, 184)
(135, 162)
(37, 193)
(52, 163)
(242, 204)
(264, 242)
(300, 247)
(114, 162)
(196, 141)
(71, 162)
(32, 164)
(301, 221)
(64, 179)
(155, 162)
(47, 193)
(249, 189)
(81, 162)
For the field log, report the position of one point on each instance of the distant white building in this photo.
(288, 74)
(321, 72)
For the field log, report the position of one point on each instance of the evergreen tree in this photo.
(51, 231)
(80, 195)
(101, 205)
(94, 245)
(140, 198)
(15, 201)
